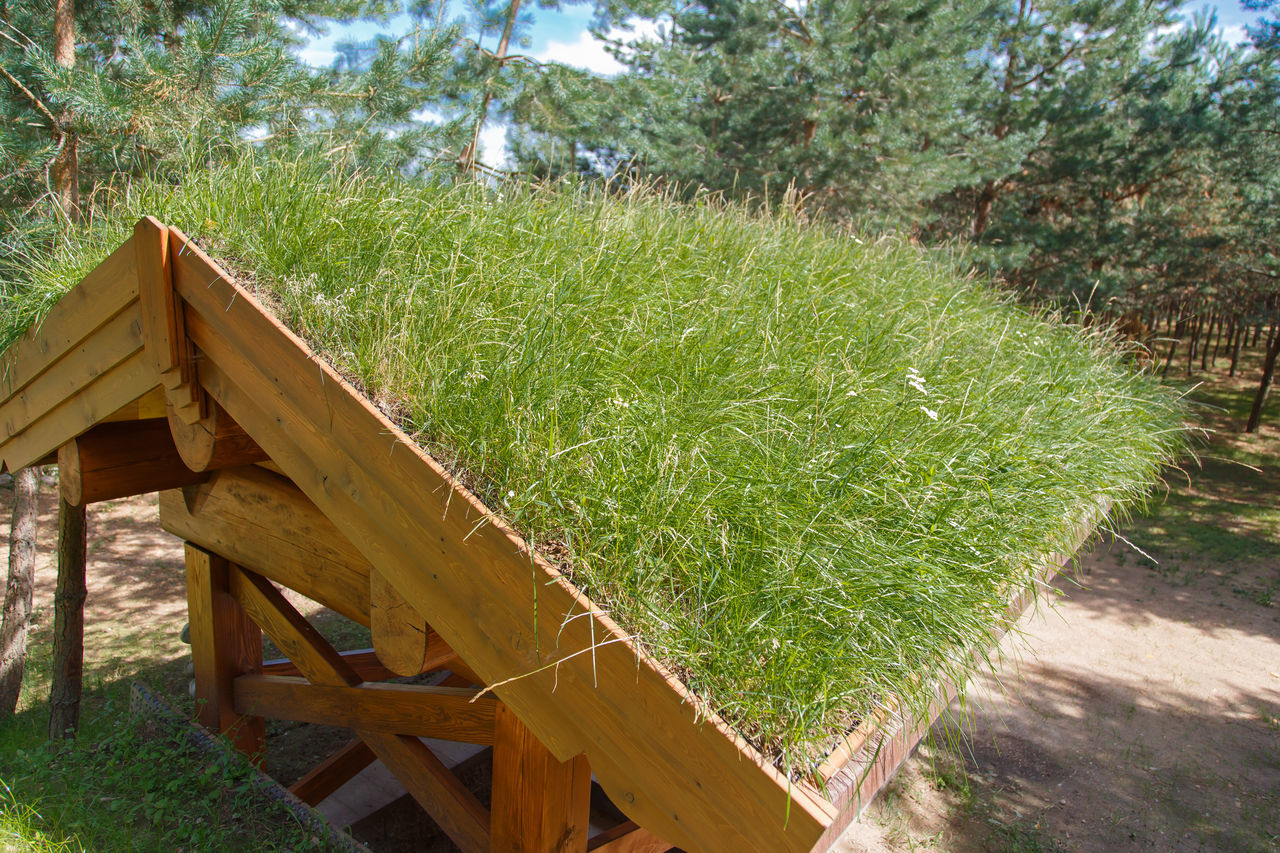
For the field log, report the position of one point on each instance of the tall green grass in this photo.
(803, 468)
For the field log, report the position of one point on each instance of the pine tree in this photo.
(852, 104)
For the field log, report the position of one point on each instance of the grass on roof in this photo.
(802, 467)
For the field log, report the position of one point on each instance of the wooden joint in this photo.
(215, 441)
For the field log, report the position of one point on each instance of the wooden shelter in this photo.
(159, 372)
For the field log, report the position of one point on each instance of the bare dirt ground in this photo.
(1141, 710)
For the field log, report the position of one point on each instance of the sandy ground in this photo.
(1135, 714)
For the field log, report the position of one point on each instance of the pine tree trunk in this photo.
(1241, 331)
(1173, 349)
(68, 622)
(1191, 350)
(982, 209)
(1208, 341)
(66, 167)
(467, 160)
(1268, 373)
(16, 616)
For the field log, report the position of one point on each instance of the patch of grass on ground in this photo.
(1219, 523)
(129, 783)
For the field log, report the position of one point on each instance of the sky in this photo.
(562, 35)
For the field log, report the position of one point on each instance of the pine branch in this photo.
(39, 104)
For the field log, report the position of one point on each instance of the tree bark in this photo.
(1196, 323)
(1268, 373)
(1241, 330)
(66, 168)
(68, 622)
(16, 618)
(1173, 348)
(467, 160)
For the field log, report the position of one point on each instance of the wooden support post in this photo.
(68, 621)
(540, 805)
(225, 644)
(117, 460)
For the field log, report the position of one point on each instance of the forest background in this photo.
(1114, 154)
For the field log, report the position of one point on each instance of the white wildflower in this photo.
(933, 416)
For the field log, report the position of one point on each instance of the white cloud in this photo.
(1234, 34)
(585, 52)
(493, 145)
(317, 55)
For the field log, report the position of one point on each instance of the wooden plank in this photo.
(78, 368)
(463, 818)
(363, 661)
(471, 577)
(224, 645)
(447, 713)
(170, 352)
(160, 306)
(100, 296)
(292, 634)
(627, 838)
(116, 460)
(263, 522)
(127, 381)
(332, 773)
(540, 805)
(366, 664)
(149, 405)
(215, 441)
(400, 634)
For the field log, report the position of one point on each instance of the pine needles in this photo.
(804, 469)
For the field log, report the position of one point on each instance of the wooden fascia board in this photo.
(569, 672)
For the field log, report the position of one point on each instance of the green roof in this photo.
(803, 468)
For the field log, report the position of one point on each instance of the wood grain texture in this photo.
(540, 804)
(77, 369)
(446, 713)
(463, 818)
(101, 295)
(106, 394)
(318, 661)
(215, 441)
(577, 682)
(117, 460)
(400, 634)
(627, 838)
(225, 644)
(332, 773)
(263, 522)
